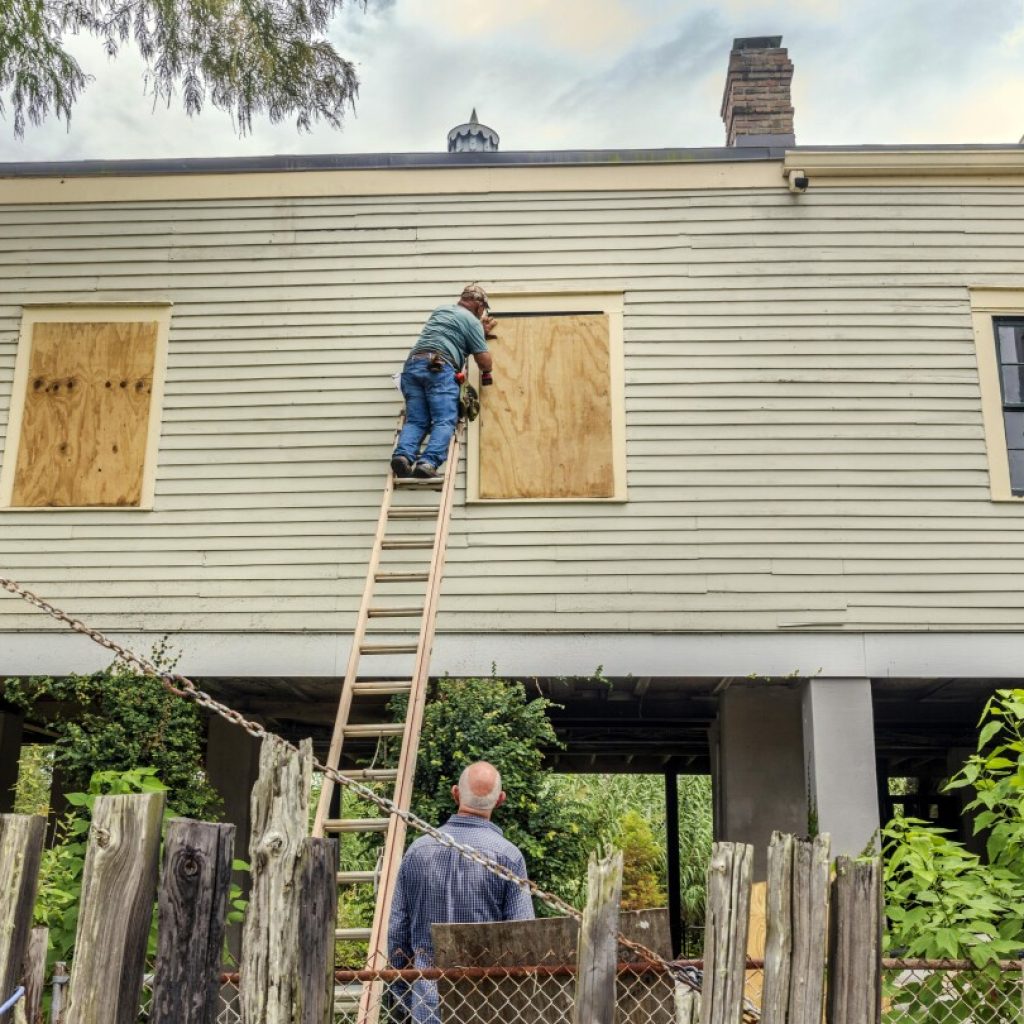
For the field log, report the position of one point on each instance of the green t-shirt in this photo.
(453, 332)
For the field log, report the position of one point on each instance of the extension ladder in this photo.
(401, 503)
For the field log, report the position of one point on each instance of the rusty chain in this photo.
(182, 686)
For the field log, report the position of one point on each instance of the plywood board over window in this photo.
(550, 424)
(83, 426)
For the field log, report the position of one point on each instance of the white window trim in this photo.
(987, 303)
(609, 303)
(113, 312)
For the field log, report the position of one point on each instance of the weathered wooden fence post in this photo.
(598, 942)
(29, 1010)
(855, 943)
(686, 1004)
(269, 967)
(190, 936)
(116, 908)
(319, 900)
(778, 946)
(725, 932)
(21, 847)
(810, 929)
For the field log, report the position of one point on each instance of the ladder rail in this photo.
(352, 669)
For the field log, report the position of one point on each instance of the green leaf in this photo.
(988, 731)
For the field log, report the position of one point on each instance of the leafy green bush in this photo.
(117, 720)
(942, 900)
(643, 867)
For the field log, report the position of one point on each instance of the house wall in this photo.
(804, 438)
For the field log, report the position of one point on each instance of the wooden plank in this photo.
(545, 423)
(85, 424)
(778, 945)
(270, 961)
(30, 1009)
(725, 932)
(118, 889)
(855, 943)
(810, 929)
(21, 848)
(193, 903)
(598, 945)
(318, 893)
(686, 1002)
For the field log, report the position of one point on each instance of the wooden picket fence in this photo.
(819, 921)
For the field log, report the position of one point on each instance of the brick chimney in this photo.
(756, 107)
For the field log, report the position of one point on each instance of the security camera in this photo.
(798, 181)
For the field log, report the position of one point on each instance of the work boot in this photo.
(401, 466)
(425, 471)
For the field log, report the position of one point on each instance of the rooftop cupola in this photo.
(472, 137)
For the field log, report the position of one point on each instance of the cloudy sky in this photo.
(558, 74)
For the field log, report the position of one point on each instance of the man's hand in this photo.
(489, 323)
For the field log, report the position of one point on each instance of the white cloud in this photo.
(588, 74)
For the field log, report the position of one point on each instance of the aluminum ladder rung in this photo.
(434, 483)
(353, 934)
(362, 731)
(427, 512)
(388, 649)
(395, 613)
(383, 687)
(356, 824)
(401, 577)
(372, 774)
(356, 877)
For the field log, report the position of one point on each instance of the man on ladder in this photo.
(429, 385)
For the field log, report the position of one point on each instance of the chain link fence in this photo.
(951, 992)
(913, 992)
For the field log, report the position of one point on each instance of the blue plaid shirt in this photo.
(436, 885)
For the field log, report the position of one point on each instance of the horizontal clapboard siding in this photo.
(803, 425)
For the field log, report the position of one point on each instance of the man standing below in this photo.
(450, 335)
(437, 885)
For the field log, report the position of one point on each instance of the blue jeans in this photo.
(431, 407)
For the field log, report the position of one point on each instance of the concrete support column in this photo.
(10, 753)
(758, 767)
(232, 766)
(839, 753)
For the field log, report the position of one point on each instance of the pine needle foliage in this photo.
(249, 58)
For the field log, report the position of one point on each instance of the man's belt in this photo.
(432, 355)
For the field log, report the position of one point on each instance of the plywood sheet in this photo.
(86, 418)
(546, 422)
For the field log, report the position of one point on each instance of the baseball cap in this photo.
(476, 294)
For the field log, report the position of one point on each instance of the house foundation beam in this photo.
(758, 766)
(839, 754)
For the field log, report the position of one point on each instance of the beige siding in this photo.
(804, 434)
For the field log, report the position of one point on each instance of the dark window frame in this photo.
(1016, 323)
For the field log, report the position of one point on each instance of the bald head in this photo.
(479, 789)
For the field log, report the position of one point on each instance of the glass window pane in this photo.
(1014, 429)
(1011, 343)
(1013, 384)
(1017, 469)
